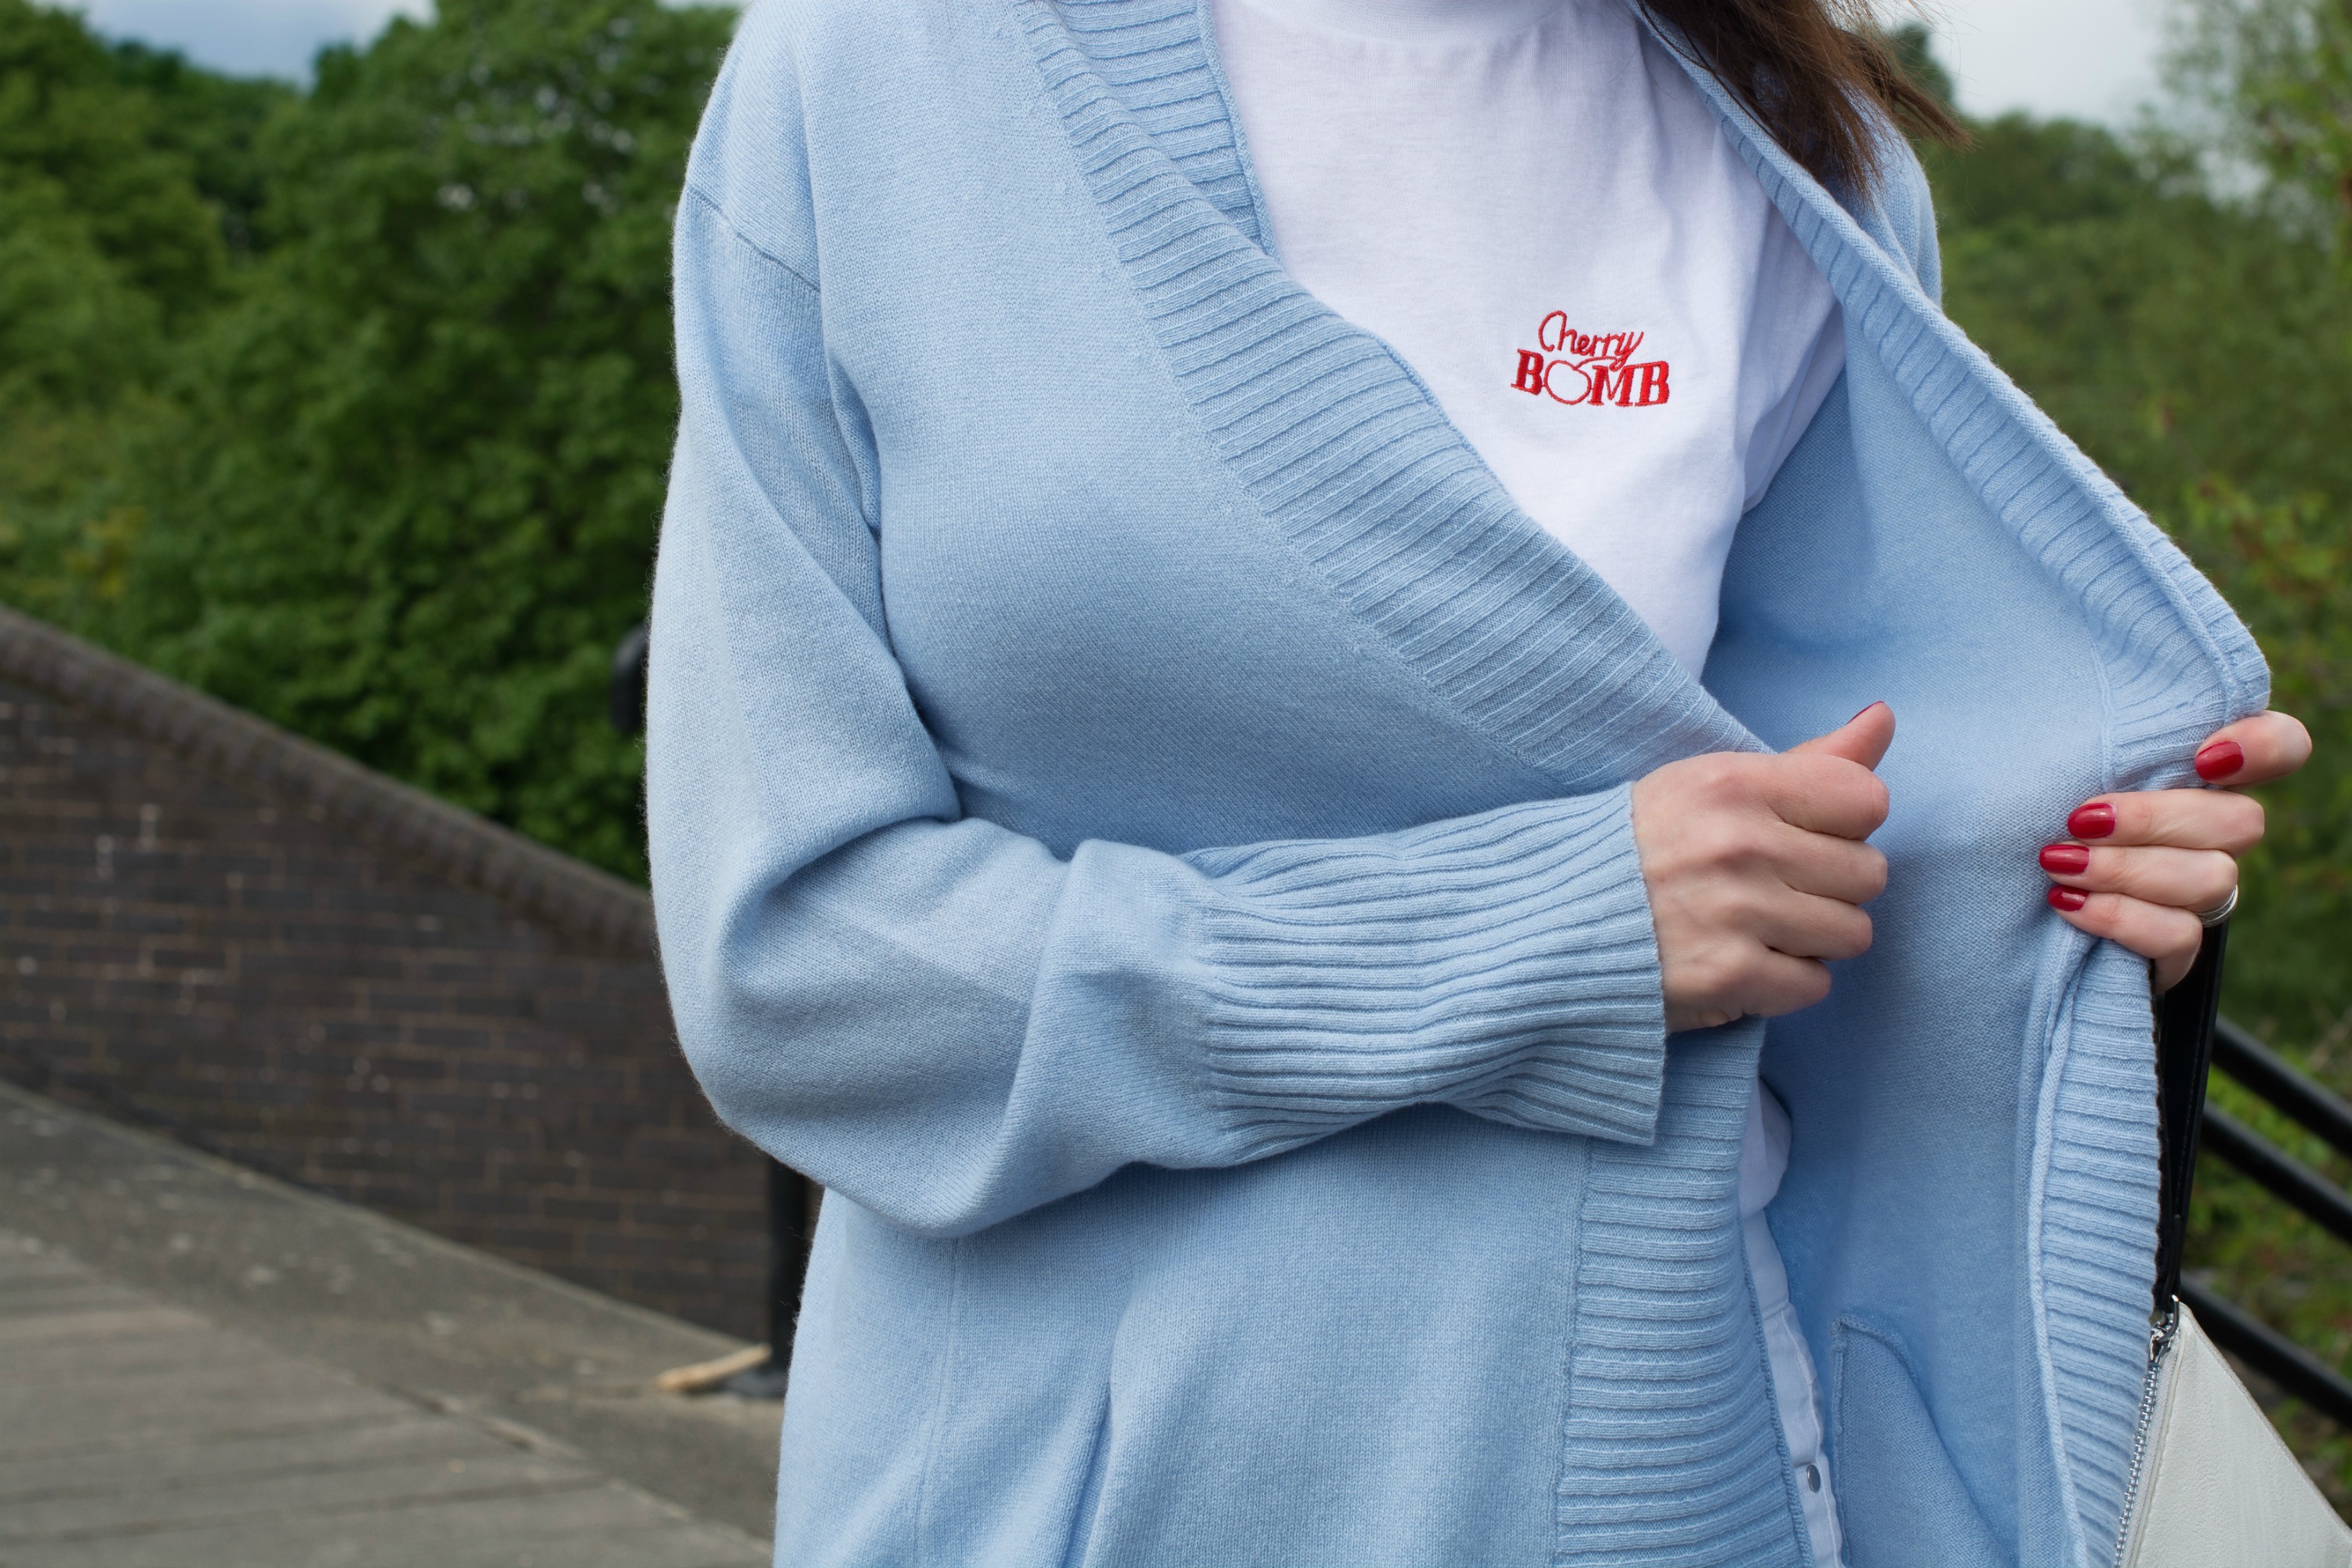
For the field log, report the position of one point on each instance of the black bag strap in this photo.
(2185, 1017)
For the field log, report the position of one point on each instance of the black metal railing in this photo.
(2262, 1073)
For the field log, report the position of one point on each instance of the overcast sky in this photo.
(2091, 58)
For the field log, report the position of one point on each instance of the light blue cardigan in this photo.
(1139, 814)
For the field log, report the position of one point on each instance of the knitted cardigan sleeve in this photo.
(946, 1022)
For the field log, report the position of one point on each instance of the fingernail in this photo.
(2066, 859)
(2095, 820)
(2068, 899)
(2220, 760)
(1859, 712)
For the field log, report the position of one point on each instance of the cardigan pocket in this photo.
(1900, 1498)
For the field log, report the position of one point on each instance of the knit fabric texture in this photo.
(1139, 814)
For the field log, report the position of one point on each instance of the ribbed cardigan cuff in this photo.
(1504, 964)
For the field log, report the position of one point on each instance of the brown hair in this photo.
(1812, 72)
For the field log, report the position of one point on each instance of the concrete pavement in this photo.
(206, 1369)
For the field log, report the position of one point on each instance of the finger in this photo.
(2254, 751)
(1803, 926)
(2177, 818)
(1861, 739)
(1824, 794)
(2167, 938)
(1828, 867)
(2191, 879)
(1783, 984)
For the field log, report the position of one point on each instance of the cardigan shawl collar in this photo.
(1339, 440)
(1351, 459)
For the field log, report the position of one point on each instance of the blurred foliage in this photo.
(353, 406)
(2276, 78)
(111, 247)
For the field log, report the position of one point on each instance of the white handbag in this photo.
(2212, 1487)
(2211, 1484)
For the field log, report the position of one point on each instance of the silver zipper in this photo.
(2160, 1340)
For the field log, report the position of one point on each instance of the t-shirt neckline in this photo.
(1410, 24)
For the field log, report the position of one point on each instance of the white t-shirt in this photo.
(1530, 203)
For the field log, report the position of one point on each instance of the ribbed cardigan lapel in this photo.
(1337, 441)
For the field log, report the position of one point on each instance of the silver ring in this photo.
(2219, 913)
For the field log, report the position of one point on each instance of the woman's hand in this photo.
(2141, 867)
(1756, 868)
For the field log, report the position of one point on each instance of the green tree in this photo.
(81, 146)
(113, 245)
(406, 496)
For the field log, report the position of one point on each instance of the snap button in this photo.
(1812, 1478)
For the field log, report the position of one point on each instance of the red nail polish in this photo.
(2220, 760)
(2068, 899)
(1859, 712)
(2097, 820)
(2066, 859)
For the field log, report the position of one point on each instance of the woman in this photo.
(1231, 574)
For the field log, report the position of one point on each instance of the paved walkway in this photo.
(202, 1368)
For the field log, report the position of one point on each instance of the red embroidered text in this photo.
(1590, 367)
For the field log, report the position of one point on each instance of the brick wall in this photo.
(220, 928)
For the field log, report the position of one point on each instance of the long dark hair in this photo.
(1812, 72)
